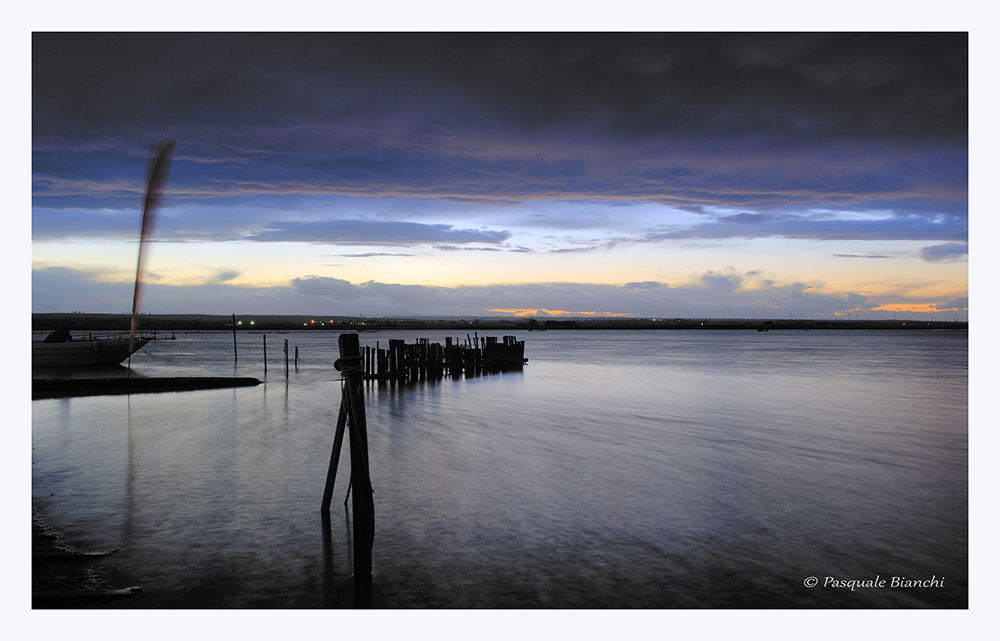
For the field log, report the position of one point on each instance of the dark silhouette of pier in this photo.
(422, 360)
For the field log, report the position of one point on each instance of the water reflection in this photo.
(633, 470)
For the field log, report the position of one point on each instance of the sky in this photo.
(654, 174)
(659, 174)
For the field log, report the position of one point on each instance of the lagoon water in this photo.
(619, 469)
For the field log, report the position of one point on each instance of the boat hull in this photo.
(84, 353)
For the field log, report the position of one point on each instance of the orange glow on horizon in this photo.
(554, 312)
(913, 307)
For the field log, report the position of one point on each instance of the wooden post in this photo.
(235, 359)
(264, 336)
(350, 365)
(286, 358)
(338, 442)
(296, 358)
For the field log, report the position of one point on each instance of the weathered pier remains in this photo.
(400, 362)
(423, 359)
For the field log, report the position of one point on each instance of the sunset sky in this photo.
(652, 175)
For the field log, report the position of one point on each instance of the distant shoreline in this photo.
(261, 323)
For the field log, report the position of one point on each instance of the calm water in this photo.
(625, 469)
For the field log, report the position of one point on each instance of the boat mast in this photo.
(157, 169)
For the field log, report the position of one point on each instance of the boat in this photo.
(59, 349)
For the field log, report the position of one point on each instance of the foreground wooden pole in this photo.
(352, 413)
(338, 443)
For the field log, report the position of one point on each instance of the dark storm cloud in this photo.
(906, 86)
(752, 121)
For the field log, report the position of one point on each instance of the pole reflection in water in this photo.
(618, 469)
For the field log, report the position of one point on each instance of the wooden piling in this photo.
(286, 358)
(338, 442)
(424, 360)
(363, 504)
(235, 358)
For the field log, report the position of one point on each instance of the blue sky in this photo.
(656, 174)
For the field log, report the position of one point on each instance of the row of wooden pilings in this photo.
(423, 359)
(399, 362)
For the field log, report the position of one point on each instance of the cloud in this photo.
(50, 224)
(452, 248)
(649, 284)
(946, 251)
(755, 121)
(61, 289)
(743, 219)
(475, 142)
(896, 84)
(714, 294)
(333, 288)
(225, 275)
(717, 294)
(957, 304)
(366, 232)
(573, 250)
(859, 256)
(721, 282)
(812, 227)
(369, 255)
